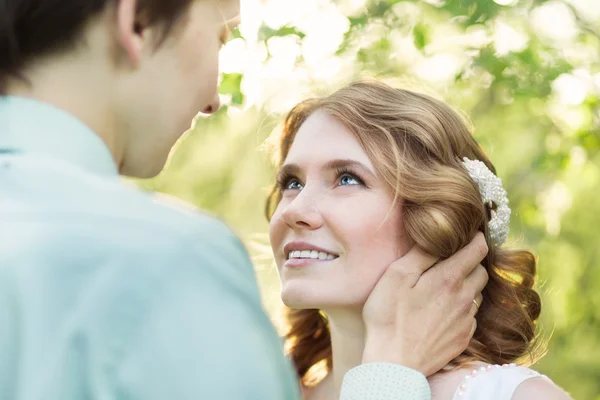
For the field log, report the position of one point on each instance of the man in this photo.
(105, 292)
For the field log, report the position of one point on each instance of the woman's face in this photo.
(334, 232)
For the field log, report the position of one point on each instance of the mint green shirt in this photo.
(110, 293)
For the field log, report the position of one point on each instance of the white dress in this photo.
(494, 382)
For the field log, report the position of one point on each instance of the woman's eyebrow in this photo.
(288, 169)
(348, 163)
(295, 169)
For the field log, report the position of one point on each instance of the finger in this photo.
(477, 301)
(473, 329)
(411, 266)
(476, 281)
(467, 335)
(466, 259)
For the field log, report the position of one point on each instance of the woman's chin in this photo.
(297, 302)
(308, 295)
(301, 300)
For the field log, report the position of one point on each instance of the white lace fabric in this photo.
(494, 382)
(384, 381)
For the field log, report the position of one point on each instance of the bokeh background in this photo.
(527, 72)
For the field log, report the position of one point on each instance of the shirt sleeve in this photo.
(384, 381)
(206, 335)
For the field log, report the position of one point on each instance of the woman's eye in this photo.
(293, 184)
(348, 180)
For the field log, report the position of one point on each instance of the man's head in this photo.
(136, 71)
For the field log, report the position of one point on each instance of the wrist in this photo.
(382, 350)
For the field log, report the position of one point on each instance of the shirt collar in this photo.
(32, 127)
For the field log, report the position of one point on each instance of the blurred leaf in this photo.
(265, 32)
(420, 36)
(231, 85)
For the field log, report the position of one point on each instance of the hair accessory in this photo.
(492, 193)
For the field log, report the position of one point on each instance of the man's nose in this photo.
(213, 107)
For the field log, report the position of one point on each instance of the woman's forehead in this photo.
(322, 136)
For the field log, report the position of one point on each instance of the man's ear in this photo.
(130, 32)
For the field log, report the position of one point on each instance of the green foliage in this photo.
(266, 32)
(231, 85)
(546, 150)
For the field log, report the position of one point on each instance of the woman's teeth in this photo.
(315, 255)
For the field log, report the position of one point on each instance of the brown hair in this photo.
(34, 28)
(416, 144)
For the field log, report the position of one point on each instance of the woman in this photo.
(365, 174)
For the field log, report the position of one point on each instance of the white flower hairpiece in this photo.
(492, 193)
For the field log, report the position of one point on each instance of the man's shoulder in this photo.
(42, 189)
(166, 213)
(63, 206)
(173, 225)
(51, 205)
(123, 200)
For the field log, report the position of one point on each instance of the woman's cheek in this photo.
(368, 272)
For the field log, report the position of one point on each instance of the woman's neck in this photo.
(347, 343)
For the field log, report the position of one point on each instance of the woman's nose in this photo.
(302, 213)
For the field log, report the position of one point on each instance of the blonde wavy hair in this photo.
(416, 144)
